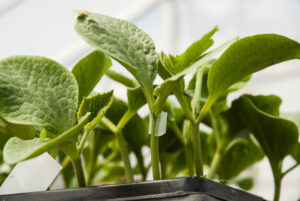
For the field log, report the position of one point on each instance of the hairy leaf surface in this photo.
(97, 105)
(123, 41)
(37, 91)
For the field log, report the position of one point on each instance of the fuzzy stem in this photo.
(288, 170)
(277, 183)
(277, 174)
(189, 159)
(197, 149)
(123, 149)
(155, 152)
(125, 156)
(184, 105)
(214, 165)
(76, 161)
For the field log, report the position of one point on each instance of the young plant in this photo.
(44, 107)
(41, 96)
(214, 79)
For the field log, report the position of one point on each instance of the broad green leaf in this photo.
(246, 56)
(269, 104)
(296, 153)
(97, 105)
(89, 70)
(239, 85)
(294, 117)
(136, 98)
(234, 126)
(179, 63)
(123, 41)
(118, 77)
(276, 136)
(37, 91)
(25, 132)
(241, 154)
(16, 150)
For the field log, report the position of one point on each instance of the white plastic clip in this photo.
(35, 174)
(161, 124)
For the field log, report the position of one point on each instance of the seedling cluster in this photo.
(46, 108)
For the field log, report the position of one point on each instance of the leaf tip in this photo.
(81, 14)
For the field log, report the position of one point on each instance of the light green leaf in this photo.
(241, 154)
(123, 41)
(25, 132)
(294, 117)
(97, 105)
(296, 153)
(246, 56)
(37, 91)
(136, 98)
(177, 64)
(89, 70)
(276, 136)
(171, 82)
(118, 77)
(16, 150)
(239, 84)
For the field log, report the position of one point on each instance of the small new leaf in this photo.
(177, 64)
(97, 106)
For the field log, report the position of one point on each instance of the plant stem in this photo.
(197, 149)
(122, 144)
(277, 175)
(82, 141)
(184, 105)
(187, 148)
(154, 139)
(178, 132)
(76, 161)
(288, 170)
(214, 165)
(154, 152)
(216, 126)
(277, 182)
(189, 159)
(125, 156)
(141, 165)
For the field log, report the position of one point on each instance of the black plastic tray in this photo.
(186, 189)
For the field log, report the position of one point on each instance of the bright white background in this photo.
(35, 27)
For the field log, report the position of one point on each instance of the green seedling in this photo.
(46, 108)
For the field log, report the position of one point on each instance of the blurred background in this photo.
(45, 28)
